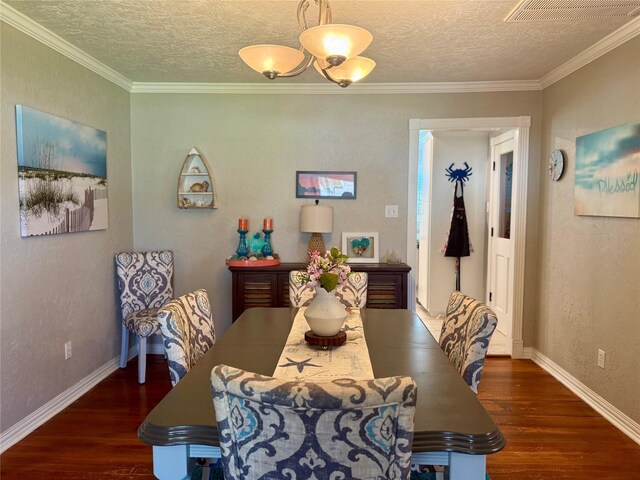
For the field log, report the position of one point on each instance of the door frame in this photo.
(521, 126)
(426, 220)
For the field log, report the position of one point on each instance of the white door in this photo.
(501, 242)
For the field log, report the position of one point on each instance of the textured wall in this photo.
(589, 291)
(255, 144)
(61, 287)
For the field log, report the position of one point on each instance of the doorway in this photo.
(457, 140)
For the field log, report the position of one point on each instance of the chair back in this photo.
(300, 293)
(352, 293)
(273, 428)
(187, 332)
(145, 280)
(465, 336)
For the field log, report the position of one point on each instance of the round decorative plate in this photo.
(556, 164)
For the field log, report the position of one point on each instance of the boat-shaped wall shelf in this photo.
(196, 183)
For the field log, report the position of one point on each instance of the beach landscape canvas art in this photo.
(62, 174)
(607, 179)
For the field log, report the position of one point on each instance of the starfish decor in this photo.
(299, 365)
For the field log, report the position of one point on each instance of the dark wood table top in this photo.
(448, 417)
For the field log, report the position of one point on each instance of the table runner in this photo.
(301, 361)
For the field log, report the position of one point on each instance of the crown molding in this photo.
(12, 17)
(608, 43)
(331, 89)
(23, 23)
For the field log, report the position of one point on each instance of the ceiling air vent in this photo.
(533, 10)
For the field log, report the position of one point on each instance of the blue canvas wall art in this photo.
(62, 174)
(607, 179)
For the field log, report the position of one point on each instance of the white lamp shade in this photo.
(354, 69)
(271, 58)
(316, 219)
(332, 39)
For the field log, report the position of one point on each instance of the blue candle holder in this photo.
(242, 250)
(266, 249)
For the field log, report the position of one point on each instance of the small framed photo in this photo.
(361, 247)
(336, 185)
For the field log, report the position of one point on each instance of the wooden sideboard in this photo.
(269, 286)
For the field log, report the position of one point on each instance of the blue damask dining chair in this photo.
(145, 283)
(352, 293)
(279, 428)
(187, 332)
(465, 336)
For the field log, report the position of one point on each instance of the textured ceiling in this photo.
(414, 41)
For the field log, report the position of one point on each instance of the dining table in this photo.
(451, 426)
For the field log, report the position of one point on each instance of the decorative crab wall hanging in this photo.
(462, 174)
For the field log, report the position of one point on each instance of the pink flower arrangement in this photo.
(328, 270)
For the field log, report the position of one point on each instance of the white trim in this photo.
(23, 23)
(32, 421)
(519, 207)
(50, 409)
(595, 51)
(521, 126)
(331, 89)
(527, 353)
(619, 420)
(474, 123)
(412, 212)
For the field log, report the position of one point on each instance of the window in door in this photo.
(506, 174)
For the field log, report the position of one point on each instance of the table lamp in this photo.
(316, 219)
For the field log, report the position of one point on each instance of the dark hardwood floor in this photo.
(551, 434)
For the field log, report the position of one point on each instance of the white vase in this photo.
(325, 314)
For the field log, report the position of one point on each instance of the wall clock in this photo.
(556, 164)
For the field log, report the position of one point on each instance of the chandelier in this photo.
(332, 48)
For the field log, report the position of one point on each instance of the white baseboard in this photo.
(619, 420)
(527, 352)
(32, 421)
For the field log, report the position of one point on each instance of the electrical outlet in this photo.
(601, 357)
(391, 211)
(67, 350)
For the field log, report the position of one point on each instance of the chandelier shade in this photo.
(327, 45)
(334, 40)
(271, 58)
(349, 71)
